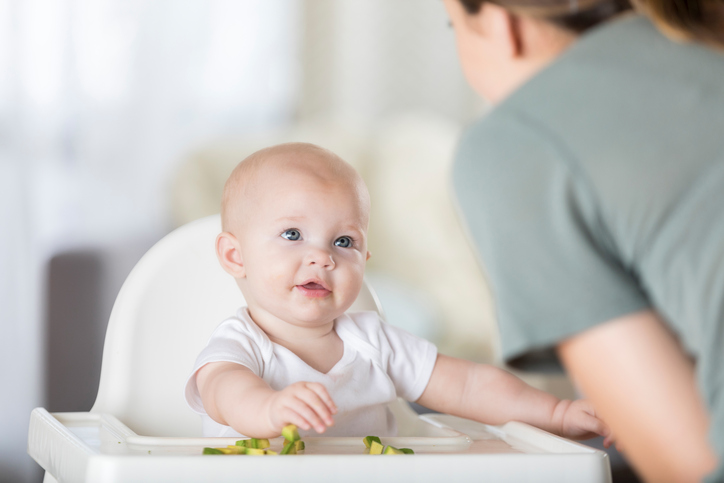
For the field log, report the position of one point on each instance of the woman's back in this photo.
(597, 189)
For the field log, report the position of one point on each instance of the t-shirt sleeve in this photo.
(410, 360)
(541, 239)
(232, 341)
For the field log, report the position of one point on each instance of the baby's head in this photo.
(294, 219)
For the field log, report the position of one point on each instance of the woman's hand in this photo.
(306, 404)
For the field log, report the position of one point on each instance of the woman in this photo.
(594, 193)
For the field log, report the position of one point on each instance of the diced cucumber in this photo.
(290, 432)
(368, 440)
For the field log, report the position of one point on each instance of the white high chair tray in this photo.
(97, 447)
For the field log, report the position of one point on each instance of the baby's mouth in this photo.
(313, 286)
(313, 289)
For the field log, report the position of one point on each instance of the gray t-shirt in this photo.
(597, 189)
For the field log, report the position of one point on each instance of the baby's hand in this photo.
(306, 404)
(579, 421)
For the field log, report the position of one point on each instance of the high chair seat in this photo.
(140, 428)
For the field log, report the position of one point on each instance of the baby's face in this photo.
(304, 246)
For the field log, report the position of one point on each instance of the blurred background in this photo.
(120, 120)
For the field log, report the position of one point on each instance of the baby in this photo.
(294, 220)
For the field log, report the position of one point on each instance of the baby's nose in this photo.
(321, 258)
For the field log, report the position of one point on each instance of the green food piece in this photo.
(392, 450)
(271, 452)
(299, 445)
(290, 432)
(235, 449)
(212, 451)
(376, 448)
(289, 448)
(368, 440)
(258, 443)
(243, 443)
(254, 451)
(407, 451)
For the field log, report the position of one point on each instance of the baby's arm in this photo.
(493, 396)
(235, 396)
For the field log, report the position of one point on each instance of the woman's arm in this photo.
(642, 384)
(235, 396)
(493, 396)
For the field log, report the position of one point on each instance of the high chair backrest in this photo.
(163, 316)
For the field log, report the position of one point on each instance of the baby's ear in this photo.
(228, 251)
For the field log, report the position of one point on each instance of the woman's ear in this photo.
(504, 30)
(228, 251)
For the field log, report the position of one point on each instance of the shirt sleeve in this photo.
(232, 341)
(541, 239)
(410, 360)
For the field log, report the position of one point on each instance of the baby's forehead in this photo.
(285, 172)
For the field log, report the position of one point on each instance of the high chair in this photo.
(140, 428)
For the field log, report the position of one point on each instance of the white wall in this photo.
(102, 100)
(99, 101)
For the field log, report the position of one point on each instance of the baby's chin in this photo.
(316, 314)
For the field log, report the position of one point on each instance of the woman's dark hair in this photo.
(573, 15)
(701, 20)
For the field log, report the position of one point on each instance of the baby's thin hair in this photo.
(285, 156)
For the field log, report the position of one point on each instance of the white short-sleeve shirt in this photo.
(380, 363)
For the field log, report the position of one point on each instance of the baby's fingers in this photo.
(290, 416)
(317, 404)
(303, 409)
(588, 423)
(323, 395)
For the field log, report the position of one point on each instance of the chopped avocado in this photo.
(289, 448)
(271, 452)
(253, 443)
(254, 451)
(392, 450)
(233, 449)
(299, 445)
(212, 451)
(407, 451)
(376, 448)
(258, 443)
(368, 440)
(290, 432)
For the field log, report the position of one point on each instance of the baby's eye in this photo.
(343, 242)
(292, 234)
